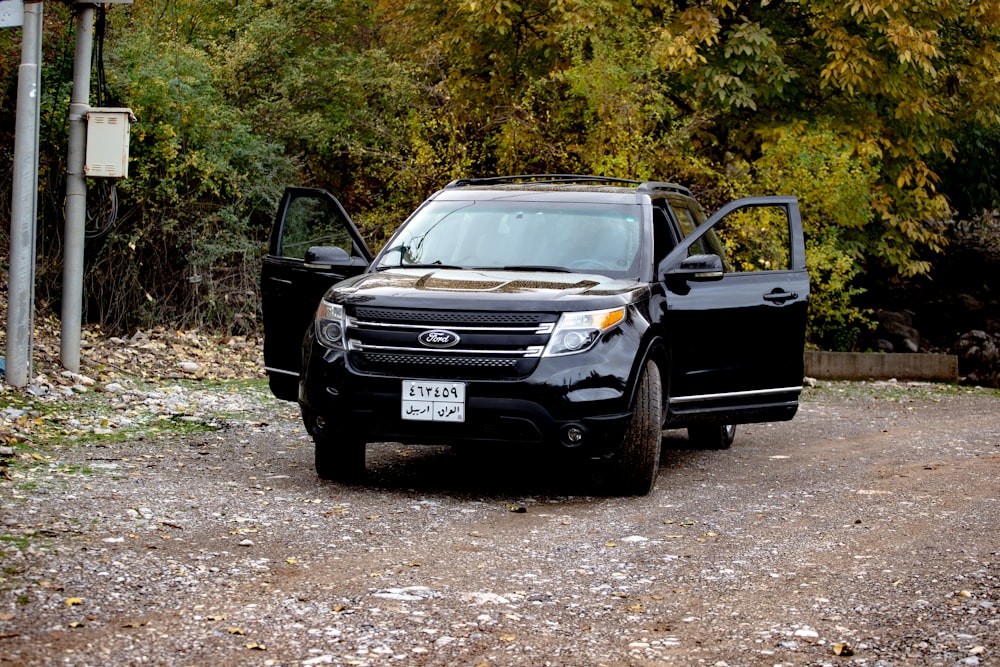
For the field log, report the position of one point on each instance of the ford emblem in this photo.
(438, 338)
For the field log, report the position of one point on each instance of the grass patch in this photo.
(902, 392)
(19, 542)
(137, 409)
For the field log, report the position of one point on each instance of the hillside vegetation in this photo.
(879, 115)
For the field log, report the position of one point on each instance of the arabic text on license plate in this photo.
(433, 401)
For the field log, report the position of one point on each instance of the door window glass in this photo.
(707, 242)
(756, 238)
(312, 221)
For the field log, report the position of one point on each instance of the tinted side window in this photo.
(663, 234)
(688, 224)
(311, 221)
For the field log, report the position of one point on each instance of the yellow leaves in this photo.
(73, 602)
(700, 25)
(914, 45)
(842, 649)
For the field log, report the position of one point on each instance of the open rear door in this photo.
(309, 225)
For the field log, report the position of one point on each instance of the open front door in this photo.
(313, 245)
(741, 321)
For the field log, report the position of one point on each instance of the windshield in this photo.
(584, 237)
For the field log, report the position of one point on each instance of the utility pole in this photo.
(76, 191)
(24, 201)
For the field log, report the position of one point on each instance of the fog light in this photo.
(574, 435)
(574, 340)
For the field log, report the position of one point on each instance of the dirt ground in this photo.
(863, 532)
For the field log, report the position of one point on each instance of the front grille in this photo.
(491, 345)
(442, 317)
(438, 360)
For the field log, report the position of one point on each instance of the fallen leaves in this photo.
(843, 650)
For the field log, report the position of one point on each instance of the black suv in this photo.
(576, 312)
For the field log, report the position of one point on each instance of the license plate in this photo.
(430, 401)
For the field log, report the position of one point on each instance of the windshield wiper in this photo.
(532, 267)
(432, 265)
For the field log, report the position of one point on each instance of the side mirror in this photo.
(326, 257)
(699, 267)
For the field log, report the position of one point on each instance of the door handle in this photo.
(283, 281)
(779, 296)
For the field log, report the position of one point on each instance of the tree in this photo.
(900, 76)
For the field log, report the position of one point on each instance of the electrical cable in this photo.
(105, 214)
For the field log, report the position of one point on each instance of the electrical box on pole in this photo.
(11, 13)
(107, 142)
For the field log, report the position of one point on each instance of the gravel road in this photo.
(864, 532)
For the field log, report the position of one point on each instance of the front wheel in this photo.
(712, 436)
(339, 456)
(638, 460)
(340, 460)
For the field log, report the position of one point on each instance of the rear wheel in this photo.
(638, 461)
(712, 436)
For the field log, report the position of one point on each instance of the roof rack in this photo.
(663, 186)
(541, 179)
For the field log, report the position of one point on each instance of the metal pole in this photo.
(24, 201)
(76, 192)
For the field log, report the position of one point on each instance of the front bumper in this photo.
(584, 393)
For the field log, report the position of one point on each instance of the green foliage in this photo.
(833, 183)
(970, 180)
(196, 210)
(856, 107)
(889, 76)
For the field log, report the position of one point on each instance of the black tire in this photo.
(638, 462)
(712, 436)
(341, 459)
(339, 456)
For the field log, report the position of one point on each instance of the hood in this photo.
(470, 288)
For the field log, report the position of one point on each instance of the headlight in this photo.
(330, 325)
(577, 332)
